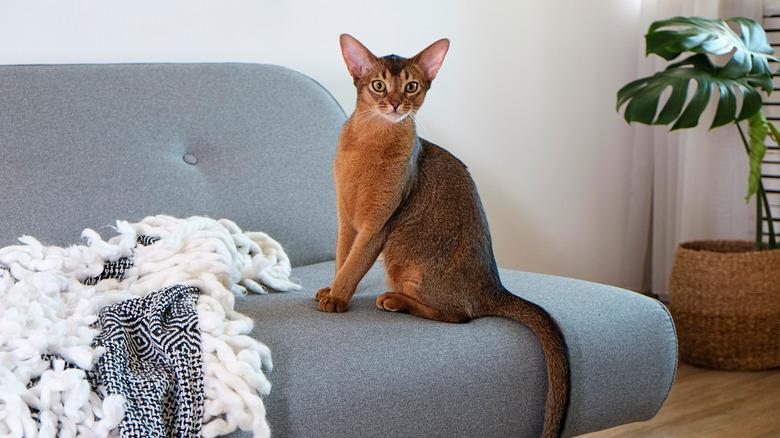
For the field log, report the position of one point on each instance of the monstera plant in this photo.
(737, 84)
(725, 298)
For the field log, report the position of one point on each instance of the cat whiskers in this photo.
(413, 115)
(366, 116)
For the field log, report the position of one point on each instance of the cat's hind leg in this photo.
(399, 302)
(406, 281)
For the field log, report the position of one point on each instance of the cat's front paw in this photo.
(330, 303)
(322, 293)
(333, 304)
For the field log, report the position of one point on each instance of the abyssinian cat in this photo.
(416, 204)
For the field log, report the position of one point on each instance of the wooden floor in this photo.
(707, 403)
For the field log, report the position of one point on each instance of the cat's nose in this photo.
(395, 104)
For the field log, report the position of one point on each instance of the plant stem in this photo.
(772, 244)
(759, 225)
(761, 200)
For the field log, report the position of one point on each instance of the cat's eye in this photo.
(411, 87)
(378, 86)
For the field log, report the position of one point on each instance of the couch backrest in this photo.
(82, 146)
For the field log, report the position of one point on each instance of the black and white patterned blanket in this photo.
(152, 359)
(136, 336)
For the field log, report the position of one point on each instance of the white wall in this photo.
(526, 96)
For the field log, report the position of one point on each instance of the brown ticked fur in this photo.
(417, 205)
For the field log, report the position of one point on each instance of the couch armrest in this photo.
(622, 348)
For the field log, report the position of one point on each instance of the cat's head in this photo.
(391, 87)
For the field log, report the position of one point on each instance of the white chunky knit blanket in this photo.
(90, 333)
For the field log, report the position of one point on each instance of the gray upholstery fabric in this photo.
(85, 145)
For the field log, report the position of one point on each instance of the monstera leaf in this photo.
(747, 70)
(712, 37)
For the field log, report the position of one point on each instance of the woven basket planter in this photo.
(725, 300)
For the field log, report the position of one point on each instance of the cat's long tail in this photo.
(558, 378)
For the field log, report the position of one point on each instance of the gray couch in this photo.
(84, 145)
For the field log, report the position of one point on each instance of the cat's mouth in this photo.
(395, 115)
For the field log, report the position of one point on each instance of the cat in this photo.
(416, 204)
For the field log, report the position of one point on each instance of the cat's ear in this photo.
(431, 59)
(359, 59)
